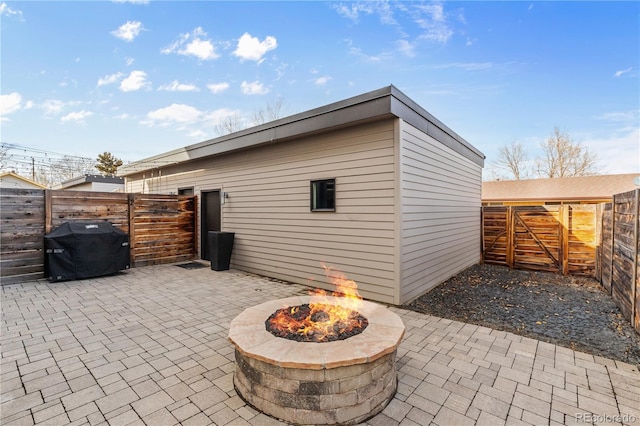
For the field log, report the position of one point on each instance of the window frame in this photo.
(313, 201)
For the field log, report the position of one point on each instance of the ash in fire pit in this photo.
(315, 322)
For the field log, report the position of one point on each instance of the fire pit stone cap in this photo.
(382, 336)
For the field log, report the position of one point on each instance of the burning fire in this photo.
(322, 320)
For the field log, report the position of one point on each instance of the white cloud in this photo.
(619, 152)
(5, 10)
(625, 116)
(252, 49)
(136, 81)
(9, 103)
(434, 10)
(129, 61)
(176, 86)
(122, 116)
(217, 87)
(406, 48)
(369, 58)
(128, 31)
(622, 72)
(433, 21)
(353, 10)
(195, 44)
(76, 117)
(109, 79)
(52, 107)
(174, 113)
(253, 88)
(322, 80)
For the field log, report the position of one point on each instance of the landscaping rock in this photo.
(574, 312)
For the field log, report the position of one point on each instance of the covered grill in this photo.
(77, 250)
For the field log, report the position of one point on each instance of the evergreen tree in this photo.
(108, 164)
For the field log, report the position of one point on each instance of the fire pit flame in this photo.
(322, 320)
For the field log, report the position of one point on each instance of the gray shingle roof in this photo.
(596, 187)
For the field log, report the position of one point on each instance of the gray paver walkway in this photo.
(149, 347)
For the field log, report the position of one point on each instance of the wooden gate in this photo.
(559, 238)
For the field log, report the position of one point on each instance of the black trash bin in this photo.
(220, 247)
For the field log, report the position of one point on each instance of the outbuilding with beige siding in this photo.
(373, 186)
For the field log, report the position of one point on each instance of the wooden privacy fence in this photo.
(595, 240)
(619, 253)
(561, 238)
(161, 228)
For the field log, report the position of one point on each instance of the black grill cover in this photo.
(77, 250)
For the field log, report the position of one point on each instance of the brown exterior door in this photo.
(210, 219)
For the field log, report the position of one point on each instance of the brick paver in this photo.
(149, 346)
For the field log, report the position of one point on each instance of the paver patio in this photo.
(149, 347)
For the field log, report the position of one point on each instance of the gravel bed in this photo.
(573, 312)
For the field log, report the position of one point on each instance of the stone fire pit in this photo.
(339, 382)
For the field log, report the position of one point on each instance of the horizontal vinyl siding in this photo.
(440, 221)
(268, 206)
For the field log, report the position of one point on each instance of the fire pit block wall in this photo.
(341, 382)
(342, 395)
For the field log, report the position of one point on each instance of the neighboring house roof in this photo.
(5, 183)
(386, 102)
(598, 187)
(118, 180)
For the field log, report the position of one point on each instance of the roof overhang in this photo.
(387, 102)
(79, 180)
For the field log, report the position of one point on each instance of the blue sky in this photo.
(140, 78)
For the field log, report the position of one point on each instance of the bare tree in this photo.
(512, 159)
(4, 156)
(271, 111)
(233, 123)
(68, 167)
(229, 124)
(563, 157)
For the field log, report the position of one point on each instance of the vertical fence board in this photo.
(635, 305)
(22, 216)
(607, 246)
(624, 252)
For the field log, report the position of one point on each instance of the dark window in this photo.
(323, 195)
(185, 191)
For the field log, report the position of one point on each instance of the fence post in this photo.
(613, 243)
(132, 228)
(510, 225)
(564, 222)
(48, 221)
(482, 235)
(634, 278)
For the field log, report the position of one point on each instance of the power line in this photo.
(40, 151)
